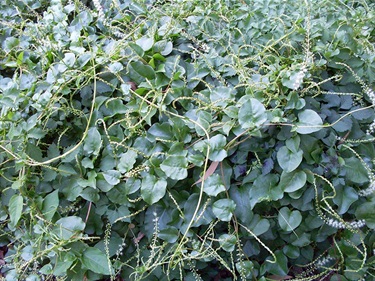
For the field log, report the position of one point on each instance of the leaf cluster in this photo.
(187, 140)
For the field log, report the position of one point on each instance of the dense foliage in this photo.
(187, 140)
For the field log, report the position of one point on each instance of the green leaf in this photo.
(153, 189)
(289, 160)
(345, 197)
(228, 242)
(213, 185)
(15, 209)
(280, 267)
(169, 234)
(138, 72)
(69, 59)
(64, 262)
(366, 212)
(246, 267)
(291, 251)
(308, 122)
(50, 205)
(223, 209)
(217, 151)
(161, 131)
(252, 114)
(96, 261)
(93, 142)
(175, 167)
(127, 161)
(289, 220)
(355, 172)
(115, 67)
(265, 188)
(67, 227)
(290, 182)
(259, 225)
(241, 197)
(293, 144)
(221, 96)
(112, 176)
(145, 43)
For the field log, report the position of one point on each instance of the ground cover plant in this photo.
(187, 140)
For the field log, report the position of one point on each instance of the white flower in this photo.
(324, 261)
(371, 95)
(99, 8)
(368, 191)
(298, 78)
(341, 225)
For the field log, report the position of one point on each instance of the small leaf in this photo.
(15, 209)
(289, 220)
(153, 189)
(309, 122)
(258, 225)
(96, 261)
(175, 167)
(213, 185)
(223, 209)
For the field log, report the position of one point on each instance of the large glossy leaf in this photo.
(169, 234)
(217, 151)
(355, 172)
(112, 177)
(145, 43)
(96, 261)
(228, 242)
(175, 167)
(308, 122)
(289, 220)
(127, 161)
(50, 205)
(15, 208)
(366, 212)
(153, 189)
(290, 182)
(252, 113)
(223, 209)
(289, 160)
(345, 197)
(213, 185)
(139, 72)
(93, 142)
(67, 227)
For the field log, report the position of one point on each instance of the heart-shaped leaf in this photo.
(289, 220)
